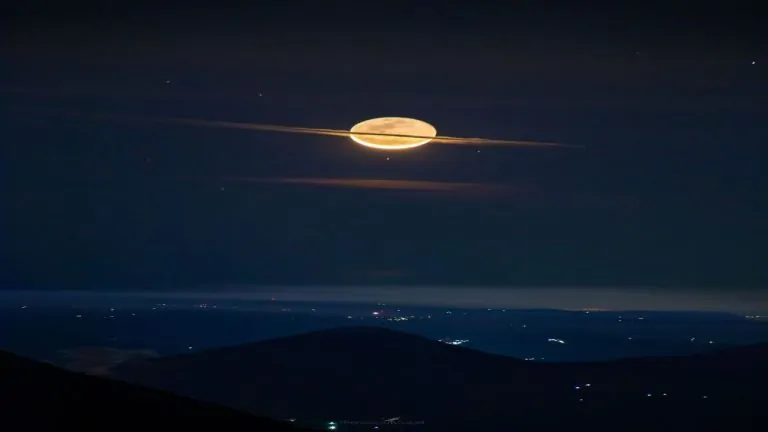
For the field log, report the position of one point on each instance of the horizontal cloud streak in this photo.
(345, 133)
(383, 184)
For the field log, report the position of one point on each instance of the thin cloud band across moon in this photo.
(383, 133)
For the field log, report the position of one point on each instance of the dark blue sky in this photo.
(667, 102)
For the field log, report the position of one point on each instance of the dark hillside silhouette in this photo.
(38, 396)
(364, 373)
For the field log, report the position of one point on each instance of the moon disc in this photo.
(417, 133)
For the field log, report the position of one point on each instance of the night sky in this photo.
(668, 103)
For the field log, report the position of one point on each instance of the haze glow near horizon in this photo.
(616, 299)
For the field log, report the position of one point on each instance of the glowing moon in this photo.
(399, 133)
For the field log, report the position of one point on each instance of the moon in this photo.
(399, 133)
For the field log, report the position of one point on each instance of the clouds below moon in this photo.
(490, 192)
(460, 188)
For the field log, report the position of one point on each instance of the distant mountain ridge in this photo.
(372, 372)
(354, 338)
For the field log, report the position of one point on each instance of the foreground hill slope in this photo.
(369, 373)
(42, 397)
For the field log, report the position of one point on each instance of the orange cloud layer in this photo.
(396, 185)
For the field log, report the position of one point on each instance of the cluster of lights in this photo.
(582, 387)
(400, 318)
(579, 387)
(454, 342)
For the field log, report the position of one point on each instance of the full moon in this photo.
(398, 133)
